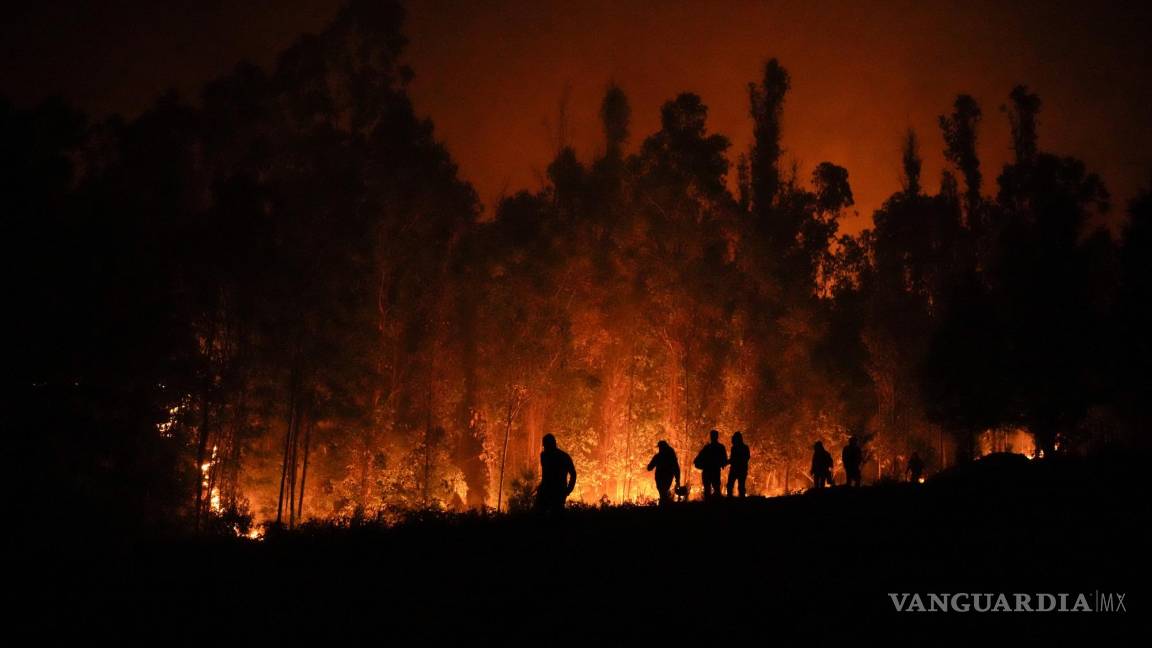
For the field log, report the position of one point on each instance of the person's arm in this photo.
(652, 464)
(572, 473)
(676, 473)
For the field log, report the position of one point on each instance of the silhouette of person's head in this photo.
(737, 438)
(662, 445)
(549, 442)
(818, 446)
(714, 436)
(852, 440)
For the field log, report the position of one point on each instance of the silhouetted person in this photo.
(557, 477)
(711, 460)
(821, 466)
(667, 470)
(915, 467)
(738, 464)
(850, 456)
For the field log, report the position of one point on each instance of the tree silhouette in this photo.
(767, 109)
(959, 130)
(282, 302)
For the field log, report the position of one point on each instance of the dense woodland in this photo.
(280, 300)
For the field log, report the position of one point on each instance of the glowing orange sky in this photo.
(491, 74)
(861, 72)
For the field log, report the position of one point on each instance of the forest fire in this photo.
(772, 340)
(339, 330)
(206, 481)
(1014, 440)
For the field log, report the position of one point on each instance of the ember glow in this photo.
(1015, 440)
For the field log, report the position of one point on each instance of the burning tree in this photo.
(322, 323)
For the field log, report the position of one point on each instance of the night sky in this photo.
(491, 75)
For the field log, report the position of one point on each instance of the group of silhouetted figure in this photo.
(558, 472)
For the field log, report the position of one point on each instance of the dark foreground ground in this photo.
(814, 568)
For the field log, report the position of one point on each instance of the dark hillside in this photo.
(820, 564)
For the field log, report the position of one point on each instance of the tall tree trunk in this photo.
(532, 427)
(688, 481)
(201, 453)
(504, 453)
(293, 388)
(470, 443)
(787, 472)
(205, 419)
(304, 468)
(292, 468)
(365, 469)
(230, 483)
(628, 429)
(427, 441)
(214, 473)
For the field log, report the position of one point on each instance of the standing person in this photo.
(667, 470)
(711, 460)
(738, 464)
(557, 477)
(915, 468)
(850, 456)
(821, 466)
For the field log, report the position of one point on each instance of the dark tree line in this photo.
(281, 299)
